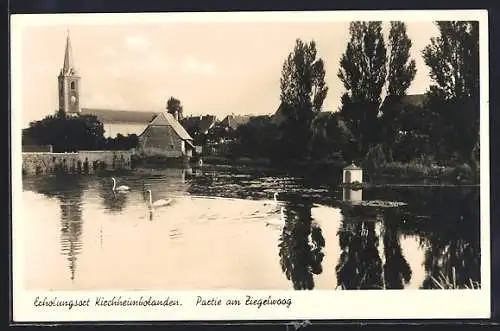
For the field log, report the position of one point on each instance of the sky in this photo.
(213, 67)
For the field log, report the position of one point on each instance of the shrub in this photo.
(375, 157)
(463, 172)
(414, 170)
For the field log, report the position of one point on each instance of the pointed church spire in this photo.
(68, 56)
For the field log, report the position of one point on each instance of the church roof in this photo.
(68, 66)
(166, 119)
(121, 116)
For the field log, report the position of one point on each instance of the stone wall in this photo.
(83, 162)
(37, 148)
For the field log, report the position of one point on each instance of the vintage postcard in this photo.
(250, 166)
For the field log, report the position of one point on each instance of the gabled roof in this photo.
(234, 121)
(416, 100)
(199, 123)
(352, 167)
(166, 119)
(121, 116)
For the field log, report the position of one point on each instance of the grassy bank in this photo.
(221, 160)
(388, 173)
(411, 172)
(308, 166)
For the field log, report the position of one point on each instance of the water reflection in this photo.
(453, 255)
(68, 190)
(111, 200)
(397, 271)
(360, 266)
(328, 238)
(71, 228)
(300, 246)
(352, 195)
(448, 237)
(165, 183)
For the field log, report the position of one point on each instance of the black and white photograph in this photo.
(267, 161)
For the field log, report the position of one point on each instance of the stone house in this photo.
(165, 136)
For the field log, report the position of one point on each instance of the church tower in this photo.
(69, 84)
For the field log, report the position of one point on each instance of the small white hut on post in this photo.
(351, 174)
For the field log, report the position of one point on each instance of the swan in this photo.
(274, 202)
(157, 203)
(122, 188)
(277, 222)
(144, 190)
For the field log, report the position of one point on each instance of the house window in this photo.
(72, 85)
(172, 146)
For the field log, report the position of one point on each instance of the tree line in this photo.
(83, 132)
(71, 134)
(374, 124)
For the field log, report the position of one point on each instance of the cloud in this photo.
(194, 66)
(137, 42)
(127, 65)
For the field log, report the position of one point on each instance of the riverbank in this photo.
(221, 160)
(390, 173)
(396, 172)
(298, 165)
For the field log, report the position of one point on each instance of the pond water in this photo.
(223, 230)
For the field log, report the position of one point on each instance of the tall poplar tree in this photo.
(401, 71)
(367, 69)
(453, 98)
(303, 90)
(363, 72)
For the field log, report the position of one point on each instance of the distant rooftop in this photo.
(417, 100)
(234, 121)
(199, 123)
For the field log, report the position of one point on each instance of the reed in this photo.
(445, 283)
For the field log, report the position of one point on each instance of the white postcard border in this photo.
(315, 304)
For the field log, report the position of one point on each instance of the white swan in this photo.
(157, 203)
(122, 188)
(274, 202)
(277, 222)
